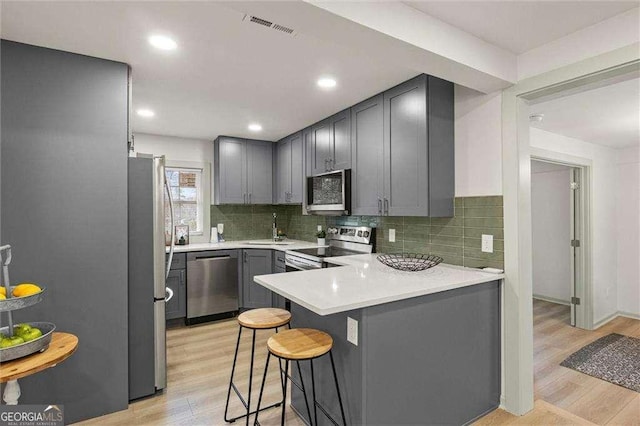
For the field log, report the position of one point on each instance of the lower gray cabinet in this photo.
(278, 301)
(176, 307)
(256, 262)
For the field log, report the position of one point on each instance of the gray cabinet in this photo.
(367, 141)
(331, 143)
(278, 301)
(256, 262)
(243, 171)
(176, 307)
(289, 166)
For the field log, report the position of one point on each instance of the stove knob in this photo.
(359, 233)
(366, 234)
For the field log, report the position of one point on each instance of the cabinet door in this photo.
(283, 171)
(307, 140)
(256, 262)
(260, 172)
(322, 151)
(367, 169)
(297, 169)
(232, 162)
(177, 306)
(405, 149)
(341, 141)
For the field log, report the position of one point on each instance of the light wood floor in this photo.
(199, 365)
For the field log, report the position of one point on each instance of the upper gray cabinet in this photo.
(243, 170)
(403, 151)
(367, 174)
(289, 165)
(331, 143)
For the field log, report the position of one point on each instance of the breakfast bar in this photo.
(410, 347)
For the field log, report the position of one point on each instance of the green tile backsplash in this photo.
(456, 239)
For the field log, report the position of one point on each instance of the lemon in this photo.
(26, 289)
(2, 296)
(3, 291)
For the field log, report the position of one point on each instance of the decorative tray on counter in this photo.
(27, 348)
(13, 303)
(412, 262)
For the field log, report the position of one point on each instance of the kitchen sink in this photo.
(269, 243)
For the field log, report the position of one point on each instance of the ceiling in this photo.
(227, 73)
(608, 115)
(519, 26)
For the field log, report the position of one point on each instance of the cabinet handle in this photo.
(249, 198)
(330, 164)
(386, 206)
(326, 167)
(244, 198)
(380, 206)
(244, 255)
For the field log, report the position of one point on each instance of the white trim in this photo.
(200, 237)
(516, 177)
(552, 300)
(629, 315)
(615, 315)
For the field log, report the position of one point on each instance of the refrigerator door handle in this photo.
(173, 229)
(169, 295)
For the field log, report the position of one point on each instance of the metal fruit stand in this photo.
(10, 304)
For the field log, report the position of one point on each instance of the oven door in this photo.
(294, 264)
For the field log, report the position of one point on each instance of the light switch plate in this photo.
(352, 330)
(487, 243)
(392, 235)
(319, 228)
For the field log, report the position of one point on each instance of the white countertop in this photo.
(364, 282)
(245, 244)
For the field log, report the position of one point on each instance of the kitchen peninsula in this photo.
(427, 345)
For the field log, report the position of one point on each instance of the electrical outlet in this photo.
(487, 243)
(319, 228)
(352, 330)
(392, 235)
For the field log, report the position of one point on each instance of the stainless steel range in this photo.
(343, 241)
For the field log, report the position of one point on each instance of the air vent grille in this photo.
(266, 23)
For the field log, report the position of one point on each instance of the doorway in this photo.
(556, 222)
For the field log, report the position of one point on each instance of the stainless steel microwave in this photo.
(329, 194)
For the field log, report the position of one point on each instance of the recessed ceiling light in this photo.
(536, 118)
(143, 112)
(162, 42)
(255, 127)
(327, 83)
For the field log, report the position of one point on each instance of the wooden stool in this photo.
(301, 344)
(255, 319)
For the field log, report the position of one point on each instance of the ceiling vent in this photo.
(265, 23)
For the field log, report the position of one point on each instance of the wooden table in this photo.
(62, 346)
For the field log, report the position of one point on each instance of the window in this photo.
(186, 191)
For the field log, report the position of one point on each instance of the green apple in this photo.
(21, 329)
(11, 341)
(32, 334)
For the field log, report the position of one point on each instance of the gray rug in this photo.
(614, 358)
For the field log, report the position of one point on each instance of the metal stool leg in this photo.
(335, 377)
(264, 379)
(284, 390)
(313, 391)
(304, 392)
(253, 350)
(233, 370)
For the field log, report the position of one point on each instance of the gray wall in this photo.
(64, 210)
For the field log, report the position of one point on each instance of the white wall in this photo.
(551, 228)
(628, 230)
(478, 142)
(603, 202)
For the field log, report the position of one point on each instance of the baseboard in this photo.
(614, 316)
(551, 299)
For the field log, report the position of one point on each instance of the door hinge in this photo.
(575, 300)
(575, 243)
(575, 185)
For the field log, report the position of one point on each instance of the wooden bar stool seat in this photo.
(264, 318)
(254, 319)
(301, 344)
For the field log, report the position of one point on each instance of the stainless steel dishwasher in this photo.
(212, 283)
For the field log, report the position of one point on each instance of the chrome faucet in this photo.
(274, 228)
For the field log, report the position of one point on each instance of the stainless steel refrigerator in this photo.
(148, 268)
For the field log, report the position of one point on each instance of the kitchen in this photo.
(415, 197)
